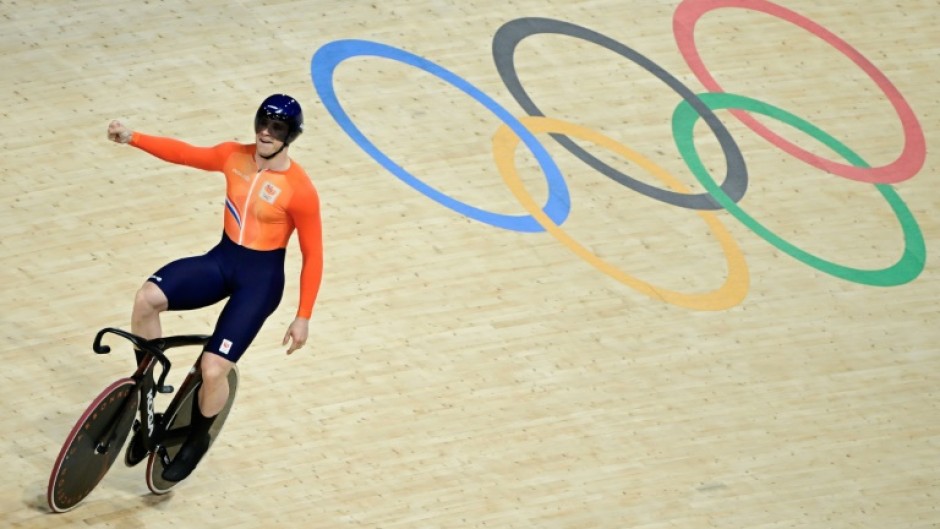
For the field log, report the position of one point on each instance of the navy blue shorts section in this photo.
(252, 280)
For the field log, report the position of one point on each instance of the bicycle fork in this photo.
(111, 432)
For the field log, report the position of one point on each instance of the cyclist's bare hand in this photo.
(296, 334)
(118, 133)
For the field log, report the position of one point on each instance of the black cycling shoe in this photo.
(187, 458)
(136, 451)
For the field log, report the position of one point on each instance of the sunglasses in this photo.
(276, 127)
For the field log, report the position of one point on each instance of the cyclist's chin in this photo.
(267, 147)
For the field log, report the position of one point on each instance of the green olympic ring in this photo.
(908, 267)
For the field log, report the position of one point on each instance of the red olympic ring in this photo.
(908, 163)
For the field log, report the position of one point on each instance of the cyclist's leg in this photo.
(207, 402)
(213, 393)
(258, 279)
(240, 321)
(183, 284)
(149, 302)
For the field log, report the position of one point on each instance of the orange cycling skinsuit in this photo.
(262, 209)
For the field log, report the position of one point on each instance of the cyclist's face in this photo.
(271, 129)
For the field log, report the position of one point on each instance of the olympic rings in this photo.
(911, 159)
(692, 108)
(511, 33)
(731, 293)
(322, 67)
(907, 268)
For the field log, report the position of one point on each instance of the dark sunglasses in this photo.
(276, 127)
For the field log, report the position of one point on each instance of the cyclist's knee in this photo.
(150, 299)
(215, 368)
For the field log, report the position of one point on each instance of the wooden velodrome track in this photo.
(642, 365)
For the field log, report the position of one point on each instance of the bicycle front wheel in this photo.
(93, 445)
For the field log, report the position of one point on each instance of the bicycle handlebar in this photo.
(156, 347)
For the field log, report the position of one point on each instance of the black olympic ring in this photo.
(504, 45)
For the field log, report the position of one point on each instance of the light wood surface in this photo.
(460, 375)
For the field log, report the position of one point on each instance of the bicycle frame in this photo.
(154, 435)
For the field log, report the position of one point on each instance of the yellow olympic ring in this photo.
(736, 285)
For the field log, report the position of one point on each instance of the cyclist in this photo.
(268, 195)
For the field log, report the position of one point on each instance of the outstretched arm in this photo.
(172, 150)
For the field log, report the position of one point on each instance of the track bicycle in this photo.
(95, 441)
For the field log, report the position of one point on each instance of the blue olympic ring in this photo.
(322, 68)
